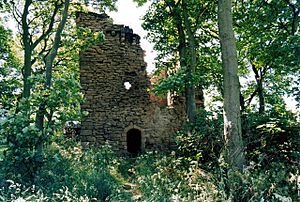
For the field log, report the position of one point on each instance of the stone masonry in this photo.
(116, 86)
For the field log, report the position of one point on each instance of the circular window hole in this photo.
(127, 85)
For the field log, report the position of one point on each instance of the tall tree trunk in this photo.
(27, 51)
(184, 58)
(40, 116)
(192, 63)
(177, 19)
(232, 120)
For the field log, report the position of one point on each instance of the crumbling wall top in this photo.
(100, 16)
(102, 22)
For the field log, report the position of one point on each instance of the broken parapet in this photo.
(124, 33)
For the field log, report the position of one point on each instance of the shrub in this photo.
(84, 172)
(272, 150)
(201, 141)
(164, 178)
(267, 183)
(71, 174)
(20, 137)
(196, 173)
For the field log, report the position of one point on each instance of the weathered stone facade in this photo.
(115, 85)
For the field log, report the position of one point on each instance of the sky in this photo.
(130, 14)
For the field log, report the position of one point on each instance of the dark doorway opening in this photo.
(134, 141)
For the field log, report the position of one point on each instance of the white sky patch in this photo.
(127, 85)
(291, 104)
(130, 14)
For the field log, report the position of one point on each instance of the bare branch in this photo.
(16, 14)
(50, 27)
(257, 76)
(199, 16)
(249, 100)
(57, 39)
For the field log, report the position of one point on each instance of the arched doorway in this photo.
(134, 141)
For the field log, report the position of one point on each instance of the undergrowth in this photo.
(69, 174)
(191, 172)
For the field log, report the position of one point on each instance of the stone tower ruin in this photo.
(115, 84)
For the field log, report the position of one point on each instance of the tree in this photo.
(182, 24)
(192, 63)
(49, 60)
(268, 38)
(9, 72)
(50, 92)
(175, 27)
(232, 121)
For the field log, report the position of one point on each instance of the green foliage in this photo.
(89, 38)
(195, 171)
(201, 141)
(268, 38)
(17, 192)
(19, 132)
(272, 142)
(101, 5)
(268, 183)
(164, 178)
(73, 174)
(272, 137)
(161, 23)
(174, 83)
(21, 136)
(140, 2)
(70, 174)
(84, 172)
(59, 103)
(5, 42)
(9, 72)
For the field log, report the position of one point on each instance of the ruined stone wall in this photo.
(113, 110)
